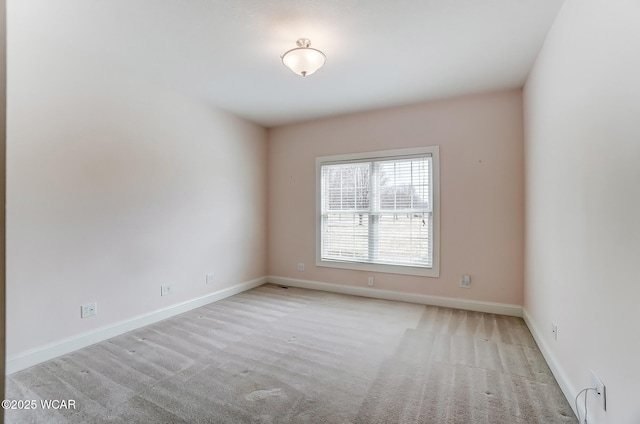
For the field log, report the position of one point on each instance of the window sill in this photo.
(433, 272)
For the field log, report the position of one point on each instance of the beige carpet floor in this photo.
(276, 355)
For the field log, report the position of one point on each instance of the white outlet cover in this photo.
(601, 390)
(465, 281)
(88, 310)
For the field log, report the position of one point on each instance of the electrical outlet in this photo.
(88, 309)
(601, 390)
(554, 331)
(370, 281)
(300, 266)
(166, 290)
(465, 281)
(209, 278)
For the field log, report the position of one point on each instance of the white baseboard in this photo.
(448, 302)
(567, 388)
(61, 347)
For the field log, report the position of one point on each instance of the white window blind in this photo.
(378, 210)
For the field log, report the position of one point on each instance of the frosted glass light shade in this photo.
(304, 60)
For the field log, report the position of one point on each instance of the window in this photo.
(379, 211)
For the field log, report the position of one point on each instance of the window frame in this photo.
(434, 270)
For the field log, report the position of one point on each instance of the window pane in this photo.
(404, 184)
(404, 238)
(345, 236)
(346, 186)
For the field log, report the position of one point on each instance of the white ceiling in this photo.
(380, 53)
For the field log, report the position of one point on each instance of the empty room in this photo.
(420, 211)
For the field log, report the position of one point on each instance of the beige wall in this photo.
(481, 162)
(116, 186)
(582, 110)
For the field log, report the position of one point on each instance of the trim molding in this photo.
(558, 372)
(448, 302)
(64, 346)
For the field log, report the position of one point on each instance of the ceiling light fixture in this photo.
(304, 60)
